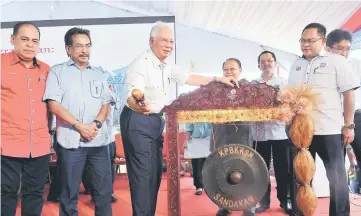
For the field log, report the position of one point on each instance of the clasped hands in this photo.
(88, 132)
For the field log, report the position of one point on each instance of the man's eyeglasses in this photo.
(229, 69)
(309, 41)
(342, 49)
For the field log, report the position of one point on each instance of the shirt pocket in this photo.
(325, 77)
(96, 88)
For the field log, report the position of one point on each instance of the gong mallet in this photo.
(138, 96)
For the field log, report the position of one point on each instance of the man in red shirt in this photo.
(25, 138)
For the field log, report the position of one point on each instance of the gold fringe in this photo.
(230, 115)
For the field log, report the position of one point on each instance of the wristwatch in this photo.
(350, 126)
(98, 123)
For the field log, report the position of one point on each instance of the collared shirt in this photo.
(199, 130)
(153, 78)
(358, 94)
(114, 108)
(24, 123)
(358, 99)
(274, 130)
(82, 93)
(330, 75)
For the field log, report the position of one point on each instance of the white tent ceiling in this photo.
(275, 24)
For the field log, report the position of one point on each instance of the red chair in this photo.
(181, 140)
(119, 154)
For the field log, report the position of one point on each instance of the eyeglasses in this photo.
(164, 40)
(309, 41)
(81, 46)
(342, 49)
(230, 69)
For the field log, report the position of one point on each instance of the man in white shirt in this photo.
(331, 76)
(235, 132)
(271, 137)
(339, 42)
(142, 124)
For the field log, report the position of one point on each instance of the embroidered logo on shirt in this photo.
(322, 65)
(298, 68)
(41, 77)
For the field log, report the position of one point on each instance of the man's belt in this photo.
(156, 114)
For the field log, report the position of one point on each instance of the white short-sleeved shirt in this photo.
(358, 99)
(358, 93)
(154, 78)
(274, 130)
(330, 75)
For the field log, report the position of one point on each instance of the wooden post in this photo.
(174, 204)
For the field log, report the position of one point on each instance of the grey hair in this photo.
(158, 25)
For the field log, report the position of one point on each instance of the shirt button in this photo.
(31, 90)
(33, 101)
(33, 110)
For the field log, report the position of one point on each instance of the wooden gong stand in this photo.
(214, 103)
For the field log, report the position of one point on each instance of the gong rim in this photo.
(223, 184)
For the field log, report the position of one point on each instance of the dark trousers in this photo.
(34, 172)
(87, 174)
(330, 149)
(142, 137)
(87, 178)
(281, 163)
(72, 163)
(294, 187)
(356, 144)
(55, 186)
(112, 155)
(197, 166)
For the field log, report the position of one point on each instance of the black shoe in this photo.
(199, 191)
(52, 198)
(86, 191)
(223, 212)
(286, 206)
(249, 212)
(262, 208)
(114, 198)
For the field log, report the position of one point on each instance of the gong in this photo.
(235, 177)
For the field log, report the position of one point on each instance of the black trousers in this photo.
(55, 186)
(87, 178)
(34, 172)
(142, 137)
(356, 144)
(197, 166)
(330, 149)
(87, 174)
(112, 155)
(72, 163)
(281, 162)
